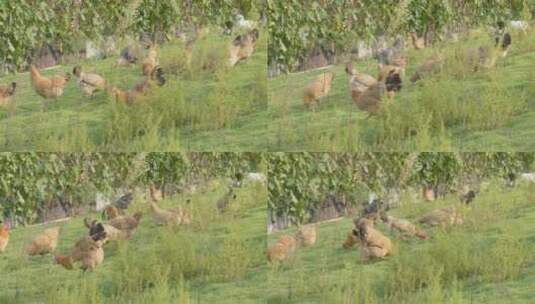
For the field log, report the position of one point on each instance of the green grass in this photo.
(218, 259)
(458, 109)
(489, 259)
(215, 108)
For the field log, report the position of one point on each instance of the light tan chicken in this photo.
(318, 88)
(373, 244)
(430, 66)
(358, 82)
(6, 91)
(164, 217)
(43, 243)
(167, 217)
(88, 251)
(88, 82)
(242, 47)
(155, 194)
(48, 87)
(126, 222)
(442, 217)
(404, 227)
(4, 237)
(282, 249)
(112, 233)
(150, 62)
(417, 42)
(306, 235)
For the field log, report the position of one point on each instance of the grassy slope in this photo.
(337, 125)
(77, 123)
(327, 273)
(217, 259)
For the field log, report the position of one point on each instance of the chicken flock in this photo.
(50, 88)
(88, 252)
(372, 243)
(370, 94)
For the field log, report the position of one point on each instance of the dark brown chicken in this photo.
(126, 222)
(430, 66)
(157, 78)
(6, 91)
(371, 100)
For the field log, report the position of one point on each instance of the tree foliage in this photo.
(297, 26)
(298, 182)
(28, 25)
(30, 181)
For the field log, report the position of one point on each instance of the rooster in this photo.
(243, 47)
(48, 88)
(88, 82)
(44, 243)
(87, 250)
(319, 88)
(4, 237)
(124, 201)
(6, 91)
